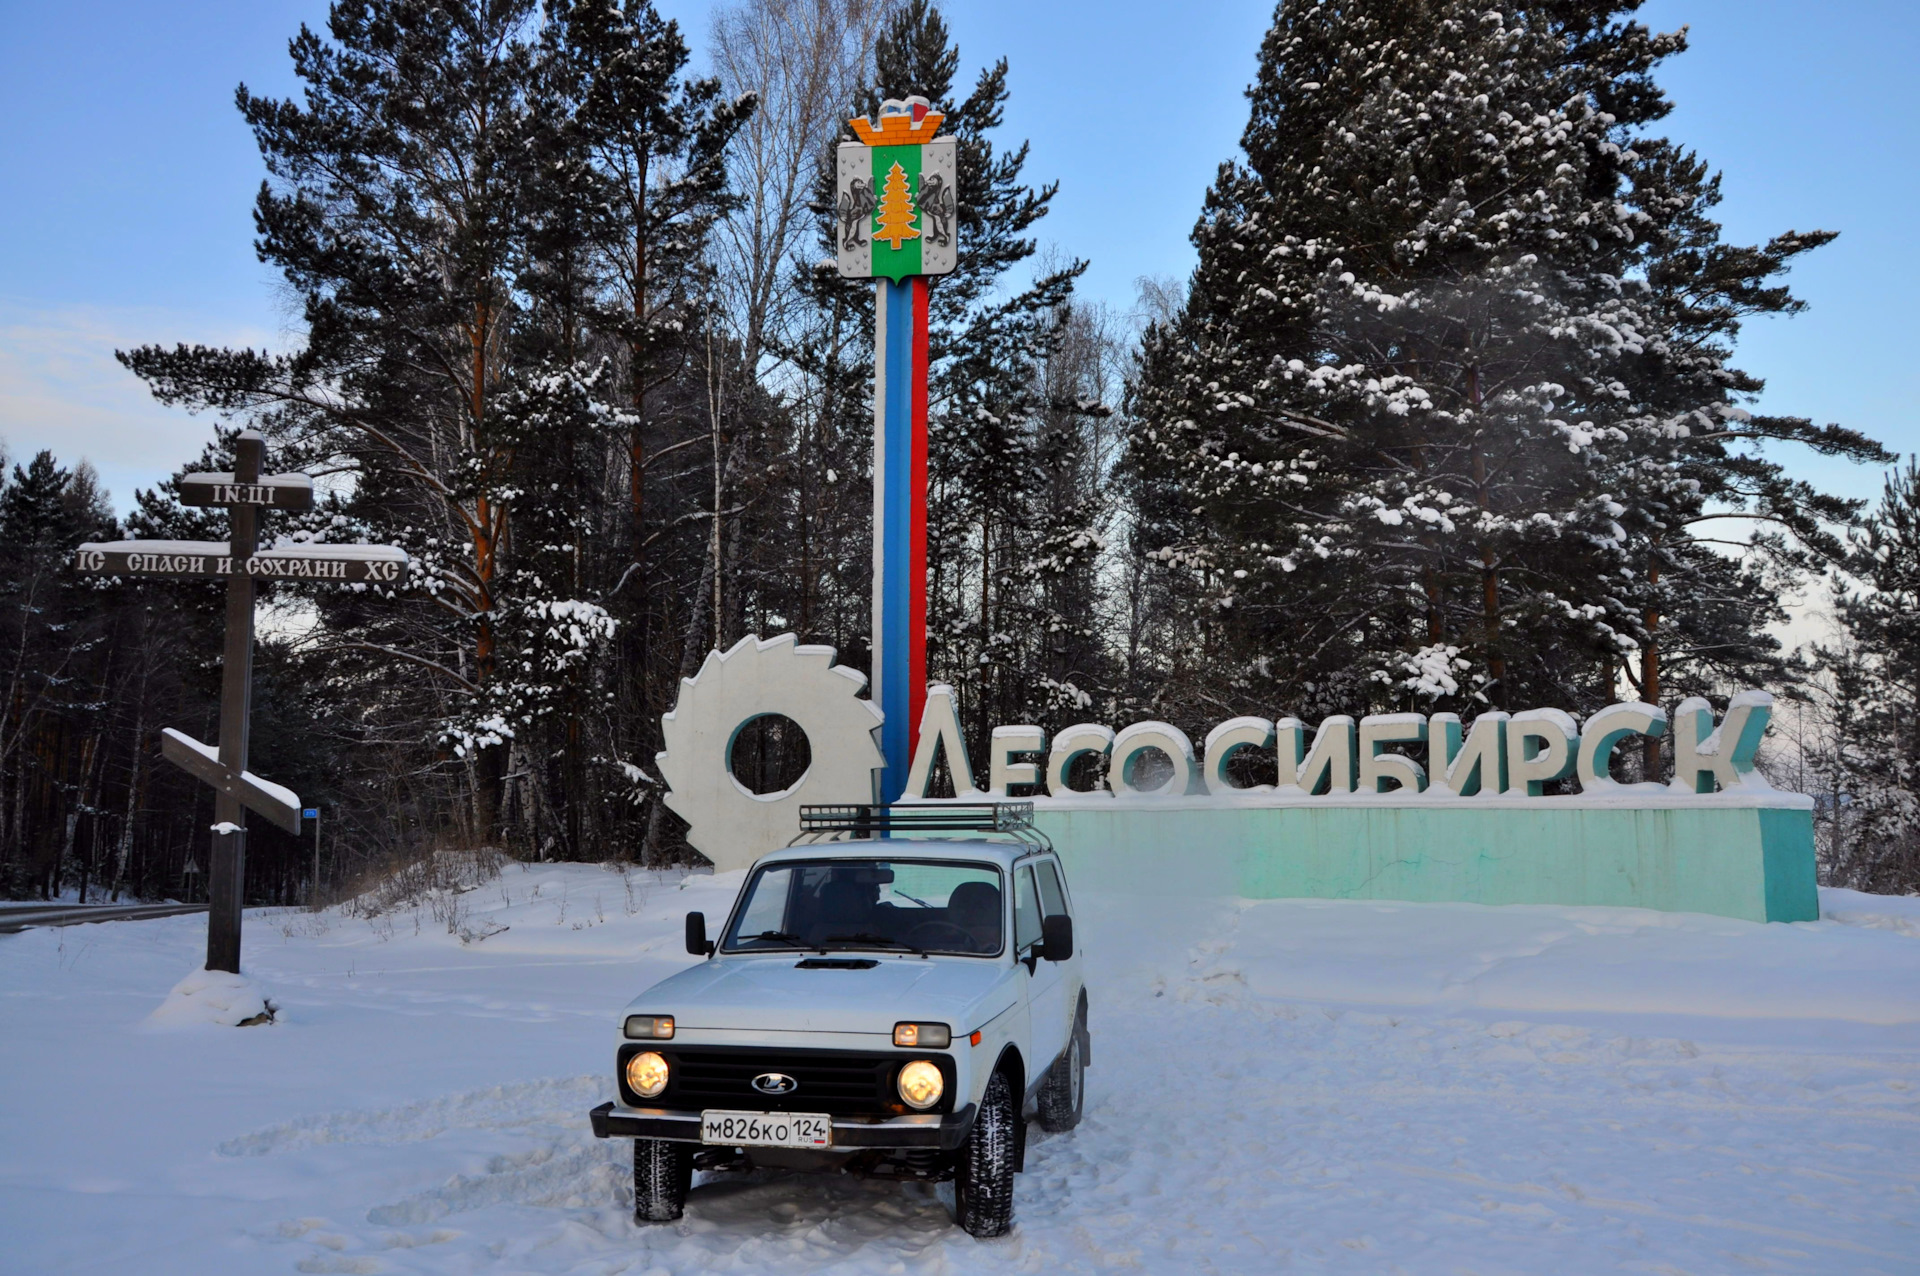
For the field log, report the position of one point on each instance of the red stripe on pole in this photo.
(917, 505)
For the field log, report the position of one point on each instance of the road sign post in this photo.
(313, 893)
(240, 561)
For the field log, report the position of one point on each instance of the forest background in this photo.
(1447, 418)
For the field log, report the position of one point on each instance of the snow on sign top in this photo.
(895, 202)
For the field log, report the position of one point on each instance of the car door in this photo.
(1054, 899)
(1046, 980)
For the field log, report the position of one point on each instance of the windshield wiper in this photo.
(785, 937)
(867, 937)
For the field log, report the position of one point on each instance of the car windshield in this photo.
(908, 906)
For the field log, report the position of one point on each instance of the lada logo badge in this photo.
(775, 1083)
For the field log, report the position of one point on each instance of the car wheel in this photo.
(983, 1181)
(1064, 1093)
(662, 1173)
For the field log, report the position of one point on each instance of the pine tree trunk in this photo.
(80, 792)
(487, 533)
(985, 708)
(1489, 561)
(136, 785)
(1650, 690)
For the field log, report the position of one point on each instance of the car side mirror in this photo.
(697, 942)
(1056, 937)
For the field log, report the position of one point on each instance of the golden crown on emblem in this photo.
(902, 123)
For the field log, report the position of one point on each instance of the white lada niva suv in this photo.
(895, 1004)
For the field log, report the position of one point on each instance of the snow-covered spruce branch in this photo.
(465, 684)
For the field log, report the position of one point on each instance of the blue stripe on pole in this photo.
(893, 488)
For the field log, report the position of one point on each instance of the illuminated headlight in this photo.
(922, 1036)
(647, 1075)
(921, 1084)
(649, 1027)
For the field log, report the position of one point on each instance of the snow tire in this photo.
(662, 1173)
(1063, 1095)
(983, 1181)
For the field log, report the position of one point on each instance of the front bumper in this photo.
(942, 1132)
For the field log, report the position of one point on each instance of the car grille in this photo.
(838, 1082)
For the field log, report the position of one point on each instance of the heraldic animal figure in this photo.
(937, 207)
(856, 208)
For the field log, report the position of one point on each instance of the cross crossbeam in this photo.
(202, 761)
(342, 564)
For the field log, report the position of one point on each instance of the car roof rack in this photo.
(832, 822)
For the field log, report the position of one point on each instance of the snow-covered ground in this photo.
(1277, 1086)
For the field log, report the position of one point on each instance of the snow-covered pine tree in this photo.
(1064, 630)
(1702, 611)
(54, 629)
(393, 209)
(496, 222)
(1870, 763)
(988, 525)
(628, 182)
(1457, 320)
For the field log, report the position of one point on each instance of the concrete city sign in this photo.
(1390, 806)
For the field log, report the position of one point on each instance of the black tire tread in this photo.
(662, 1173)
(1061, 1101)
(983, 1183)
(1059, 1105)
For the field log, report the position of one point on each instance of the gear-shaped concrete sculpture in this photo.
(730, 824)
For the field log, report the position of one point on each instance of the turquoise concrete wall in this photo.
(1749, 861)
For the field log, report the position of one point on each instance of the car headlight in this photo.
(649, 1027)
(921, 1084)
(647, 1074)
(922, 1036)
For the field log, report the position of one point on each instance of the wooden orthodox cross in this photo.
(244, 493)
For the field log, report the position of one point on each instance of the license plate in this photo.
(767, 1129)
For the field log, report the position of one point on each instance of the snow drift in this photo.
(1281, 1085)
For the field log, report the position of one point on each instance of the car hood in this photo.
(775, 994)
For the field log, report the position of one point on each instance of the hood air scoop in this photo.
(836, 963)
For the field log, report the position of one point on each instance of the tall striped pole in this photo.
(899, 521)
(896, 212)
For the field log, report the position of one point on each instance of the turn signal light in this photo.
(649, 1027)
(922, 1036)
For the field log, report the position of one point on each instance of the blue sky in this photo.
(128, 178)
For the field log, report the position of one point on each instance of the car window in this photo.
(1053, 900)
(882, 905)
(766, 907)
(1026, 909)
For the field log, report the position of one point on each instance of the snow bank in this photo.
(1900, 913)
(214, 997)
(1338, 1087)
(1549, 960)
